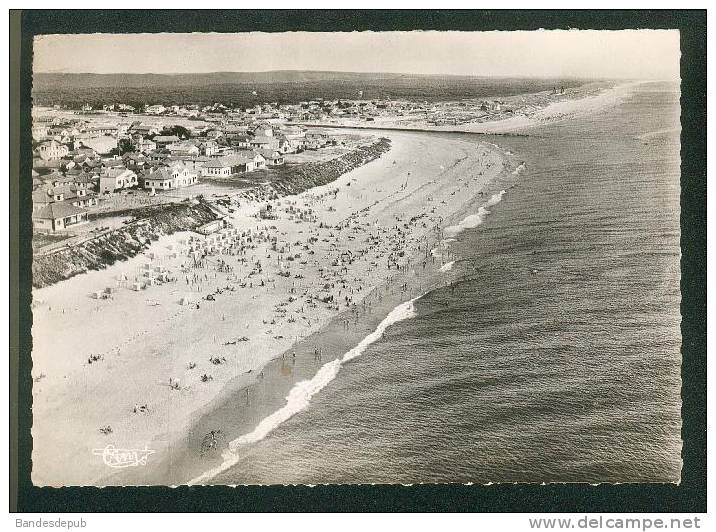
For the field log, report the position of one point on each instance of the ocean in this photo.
(553, 356)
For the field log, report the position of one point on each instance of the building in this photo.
(176, 175)
(41, 198)
(144, 129)
(70, 193)
(165, 140)
(39, 132)
(58, 216)
(194, 162)
(136, 162)
(85, 181)
(221, 167)
(263, 131)
(242, 141)
(264, 143)
(258, 161)
(100, 130)
(183, 148)
(102, 145)
(158, 156)
(241, 162)
(143, 145)
(285, 145)
(52, 150)
(294, 141)
(116, 179)
(272, 157)
(317, 137)
(208, 148)
(154, 109)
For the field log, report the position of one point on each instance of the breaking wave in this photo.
(519, 169)
(473, 220)
(300, 395)
(447, 267)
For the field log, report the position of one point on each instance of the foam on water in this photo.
(473, 220)
(447, 266)
(519, 169)
(300, 395)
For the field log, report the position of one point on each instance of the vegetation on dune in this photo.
(154, 221)
(120, 244)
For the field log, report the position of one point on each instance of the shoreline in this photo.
(519, 125)
(177, 420)
(338, 344)
(178, 417)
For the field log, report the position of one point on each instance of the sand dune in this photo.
(326, 250)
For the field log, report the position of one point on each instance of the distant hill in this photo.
(282, 86)
(46, 80)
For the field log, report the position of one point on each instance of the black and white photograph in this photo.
(356, 258)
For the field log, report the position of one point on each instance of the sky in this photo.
(642, 54)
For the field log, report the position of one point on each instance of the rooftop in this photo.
(60, 209)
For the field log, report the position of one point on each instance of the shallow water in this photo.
(556, 355)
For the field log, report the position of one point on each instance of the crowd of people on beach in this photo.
(310, 259)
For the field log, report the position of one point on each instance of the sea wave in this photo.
(447, 266)
(300, 395)
(473, 220)
(519, 169)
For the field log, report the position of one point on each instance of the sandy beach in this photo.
(135, 370)
(580, 102)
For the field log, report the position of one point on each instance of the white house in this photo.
(242, 161)
(184, 148)
(52, 150)
(208, 148)
(116, 179)
(143, 145)
(58, 216)
(176, 175)
(154, 109)
(272, 157)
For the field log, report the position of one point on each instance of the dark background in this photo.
(689, 496)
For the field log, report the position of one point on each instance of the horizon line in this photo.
(571, 76)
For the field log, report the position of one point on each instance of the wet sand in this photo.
(328, 248)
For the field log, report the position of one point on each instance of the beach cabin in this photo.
(58, 216)
(211, 227)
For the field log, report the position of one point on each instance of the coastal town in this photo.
(95, 161)
(274, 263)
(189, 223)
(240, 233)
(81, 165)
